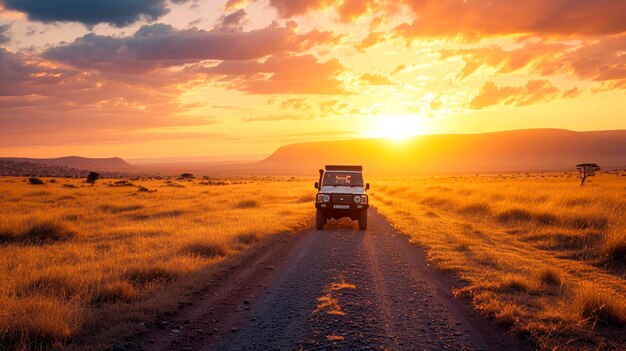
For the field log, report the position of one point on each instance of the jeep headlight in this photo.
(325, 198)
(363, 199)
(357, 199)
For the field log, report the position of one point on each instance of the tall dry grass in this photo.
(537, 252)
(82, 265)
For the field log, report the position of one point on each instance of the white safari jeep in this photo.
(341, 193)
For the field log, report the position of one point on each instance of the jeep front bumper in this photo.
(329, 206)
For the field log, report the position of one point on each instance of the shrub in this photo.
(514, 215)
(600, 307)
(436, 201)
(614, 248)
(580, 222)
(148, 275)
(54, 284)
(37, 233)
(513, 284)
(92, 177)
(120, 208)
(246, 238)
(35, 181)
(247, 204)
(37, 323)
(545, 219)
(205, 249)
(476, 209)
(120, 290)
(549, 278)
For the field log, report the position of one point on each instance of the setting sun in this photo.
(395, 127)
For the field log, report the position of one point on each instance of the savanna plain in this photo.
(82, 266)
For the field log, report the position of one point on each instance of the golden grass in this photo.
(81, 266)
(538, 253)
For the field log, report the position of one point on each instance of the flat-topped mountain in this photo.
(508, 151)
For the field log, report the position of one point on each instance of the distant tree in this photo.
(92, 177)
(586, 170)
(35, 181)
(186, 175)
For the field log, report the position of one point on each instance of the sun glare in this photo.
(395, 127)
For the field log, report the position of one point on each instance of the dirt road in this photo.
(339, 288)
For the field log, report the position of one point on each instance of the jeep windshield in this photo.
(352, 179)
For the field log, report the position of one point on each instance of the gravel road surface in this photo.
(335, 289)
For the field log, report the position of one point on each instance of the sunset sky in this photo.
(191, 78)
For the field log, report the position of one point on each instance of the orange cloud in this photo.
(45, 104)
(160, 45)
(372, 39)
(598, 60)
(375, 79)
(472, 19)
(533, 92)
(280, 75)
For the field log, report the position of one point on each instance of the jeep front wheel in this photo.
(320, 220)
(363, 220)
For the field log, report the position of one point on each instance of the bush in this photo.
(205, 249)
(36, 323)
(247, 204)
(476, 209)
(549, 278)
(35, 181)
(116, 291)
(600, 307)
(614, 248)
(581, 222)
(37, 233)
(150, 275)
(246, 238)
(515, 215)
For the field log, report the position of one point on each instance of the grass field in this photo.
(540, 254)
(82, 266)
(85, 265)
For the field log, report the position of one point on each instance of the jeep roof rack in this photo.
(344, 168)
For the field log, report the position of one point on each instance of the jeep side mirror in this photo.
(317, 185)
(367, 186)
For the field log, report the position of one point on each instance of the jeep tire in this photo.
(320, 220)
(363, 220)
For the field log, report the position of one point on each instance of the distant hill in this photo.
(113, 164)
(29, 169)
(509, 151)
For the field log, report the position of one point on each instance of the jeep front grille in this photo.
(342, 199)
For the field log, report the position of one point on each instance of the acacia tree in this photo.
(586, 170)
(92, 177)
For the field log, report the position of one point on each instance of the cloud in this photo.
(347, 10)
(4, 36)
(372, 39)
(375, 79)
(160, 45)
(472, 19)
(235, 4)
(282, 74)
(505, 61)
(596, 59)
(42, 103)
(290, 8)
(280, 117)
(450, 18)
(535, 91)
(119, 13)
(232, 22)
